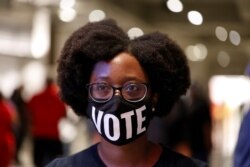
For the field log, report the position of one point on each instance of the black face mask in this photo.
(118, 121)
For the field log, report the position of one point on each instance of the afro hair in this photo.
(162, 59)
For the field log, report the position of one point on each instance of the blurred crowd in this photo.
(38, 119)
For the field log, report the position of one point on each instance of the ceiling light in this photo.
(195, 17)
(234, 37)
(67, 15)
(64, 4)
(221, 33)
(135, 32)
(174, 5)
(96, 15)
(223, 59)
(40, 35)
(196, 52)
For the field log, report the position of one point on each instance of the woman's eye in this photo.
(102, 87)
(131, 88)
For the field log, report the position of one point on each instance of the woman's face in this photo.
(117, 105)
(121, 69)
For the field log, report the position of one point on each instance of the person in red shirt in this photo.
(46, 110)
(7, 140)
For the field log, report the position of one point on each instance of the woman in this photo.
(120, 84)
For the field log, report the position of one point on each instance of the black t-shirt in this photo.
(90, 158)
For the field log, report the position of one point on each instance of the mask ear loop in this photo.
(154, 100)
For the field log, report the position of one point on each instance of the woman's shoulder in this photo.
(172, 158)
(87, 157)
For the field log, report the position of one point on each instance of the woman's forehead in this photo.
(122, 67)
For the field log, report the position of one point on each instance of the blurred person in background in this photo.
(121, 84)
(187, 128)
(21, 130)
(7, 139)
(242, 150)
(200, 122)
(173, 130)
(177, 128)
(46, 110)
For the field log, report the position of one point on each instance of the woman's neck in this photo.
(138, 153)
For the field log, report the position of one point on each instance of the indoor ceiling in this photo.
(230, 14)
(152, 15)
